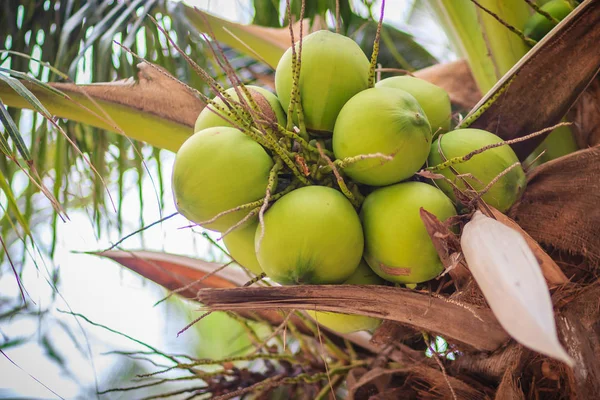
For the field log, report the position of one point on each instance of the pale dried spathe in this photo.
(511, 280)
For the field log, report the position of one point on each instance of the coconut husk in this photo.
(560, 206)
(578, 325)
(586, 117)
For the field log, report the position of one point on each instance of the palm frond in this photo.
(79, 39)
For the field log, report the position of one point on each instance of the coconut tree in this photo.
(426, 326)
(46, 48)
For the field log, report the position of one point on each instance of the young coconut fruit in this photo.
(311, 235)
(397, 245)
(218, 169)
(346, 323)
(386, 121)
(333, 69)
(240, 243)
(433, 99)
(483, 167)
(537, 26)
(266, 101)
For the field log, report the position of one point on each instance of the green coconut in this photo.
(387, 121)
(397, 245)
(311, 235)
(240, 244)
(537, 26)
(346, 323)
(218, 169)
(333, 69)
(483, 167)
(434, 100)
(267, 102)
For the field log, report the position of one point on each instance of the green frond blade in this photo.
(14, 134)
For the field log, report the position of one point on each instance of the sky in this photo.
(109, 294)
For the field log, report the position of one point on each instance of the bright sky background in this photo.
(107, 293)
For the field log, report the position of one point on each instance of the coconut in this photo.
(266, 101)
(397, 245)
(537, 26)
(311, 235)
(333, 69)
(387, 121)
(240, 244)
(483, 167)
(218, 169)
(345, 323)
(434, 100)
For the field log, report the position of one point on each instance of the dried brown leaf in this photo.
(363, 383)
(471, 326)
(174, 271)
(509, 388)
(152, 93)
(447, 245)
(491, 366)
(155, 109)
(440, 386)
(390, 331)
(579, 327)
(560, 206)
(586, 117)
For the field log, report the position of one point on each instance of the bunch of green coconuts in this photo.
(317, 184)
